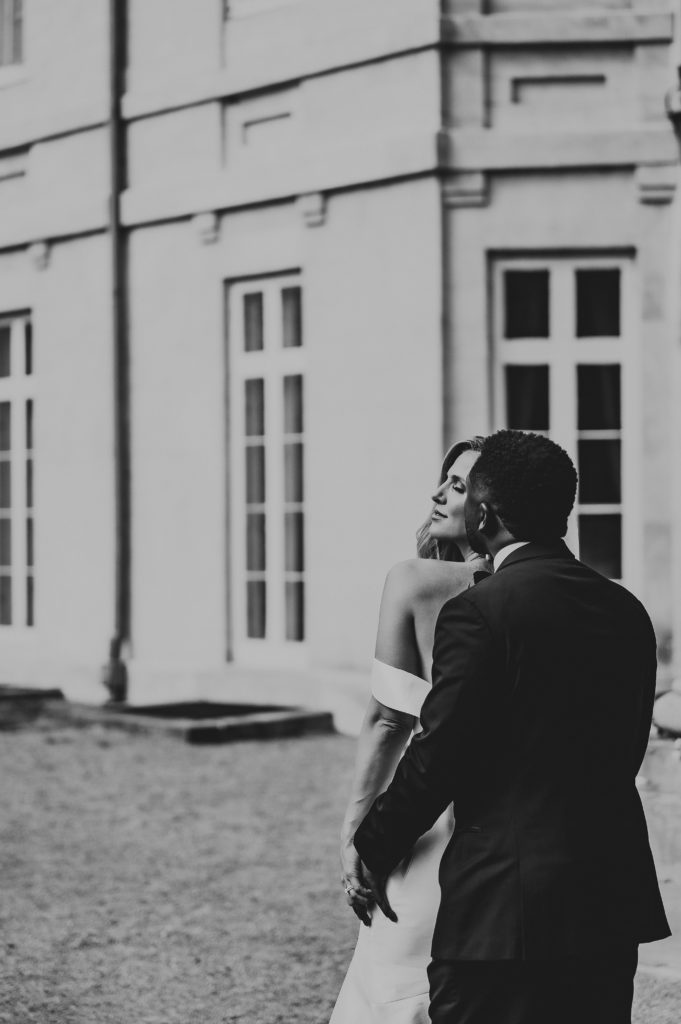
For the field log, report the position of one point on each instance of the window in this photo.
(11, 32)
(526, 304)
(16, 473)
(563, 357)
(267, 433)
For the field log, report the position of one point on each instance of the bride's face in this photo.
(447, 519)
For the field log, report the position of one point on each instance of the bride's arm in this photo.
(385, 731)
(381, 743)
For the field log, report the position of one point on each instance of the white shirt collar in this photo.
(503, 554)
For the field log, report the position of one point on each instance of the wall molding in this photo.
(39, 254)
(207, 227)
(13, 163)
(656, 183)
(56, 124)
(467, 188)
(476, 149)
(538, 29)
(312, 207)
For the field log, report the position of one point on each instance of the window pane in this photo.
(29, 424)
(4, 35)
(598, 398)
(256, 612)
(255, 407)
(255, 474)
(295, 610)
(29, 483)
(30, 614)
(17, 35)
(293, 405)
(5, 427)
(599, 472)
(5, 541)
(29, 542)
(5, 600)
(526, 304)
(293, 541)
(5, 485)
(292, 313)
(255, 541)
(293, 472)
(253, 332)
(600, 544)
(598, 303)
(527, 397)
(5, 340)
(28, 349)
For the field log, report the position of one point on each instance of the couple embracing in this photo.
(500, 864)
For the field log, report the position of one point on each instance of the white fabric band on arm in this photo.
(398, 689)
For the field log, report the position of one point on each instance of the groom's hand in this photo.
(376, 885)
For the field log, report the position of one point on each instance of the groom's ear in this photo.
(486, 516)
(489, 522)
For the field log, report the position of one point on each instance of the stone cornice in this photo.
(44, 222)
(467, 155)
(494, 150)
(51, 125)
(329, 170)
(565, 27)
(463, 158)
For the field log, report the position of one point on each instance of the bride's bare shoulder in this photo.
(425, 576)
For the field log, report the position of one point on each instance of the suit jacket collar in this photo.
(537, 549)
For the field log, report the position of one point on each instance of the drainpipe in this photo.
(673, 110)
(114, 674)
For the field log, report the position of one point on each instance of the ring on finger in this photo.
(349, 889)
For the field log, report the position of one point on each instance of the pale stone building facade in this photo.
(353, 232)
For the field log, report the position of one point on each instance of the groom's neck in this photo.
(498, 543)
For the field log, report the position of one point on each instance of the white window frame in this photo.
(18, 389)
(272, 364)
(562, 352)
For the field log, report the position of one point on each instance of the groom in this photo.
(535, 728)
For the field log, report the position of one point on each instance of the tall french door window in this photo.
(267, 446)
(564, 368)
(16, 472)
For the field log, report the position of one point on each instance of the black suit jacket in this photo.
(535, 728)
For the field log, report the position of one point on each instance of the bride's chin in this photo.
(445, 537)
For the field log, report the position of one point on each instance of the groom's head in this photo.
(522, 487)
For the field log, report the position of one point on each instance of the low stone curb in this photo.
(257, 725)
(20, 705)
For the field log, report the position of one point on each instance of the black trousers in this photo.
(598, 990)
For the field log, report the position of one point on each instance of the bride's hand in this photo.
(356, 893)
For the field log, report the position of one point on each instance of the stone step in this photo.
(198, 721)
(20, 705)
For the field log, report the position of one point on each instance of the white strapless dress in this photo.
(387, 981)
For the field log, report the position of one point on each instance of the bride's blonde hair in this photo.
(427, 546)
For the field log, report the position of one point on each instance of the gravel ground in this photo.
(145, 881)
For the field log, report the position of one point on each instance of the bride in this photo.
(387, 980)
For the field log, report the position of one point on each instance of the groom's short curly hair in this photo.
(529, 481)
